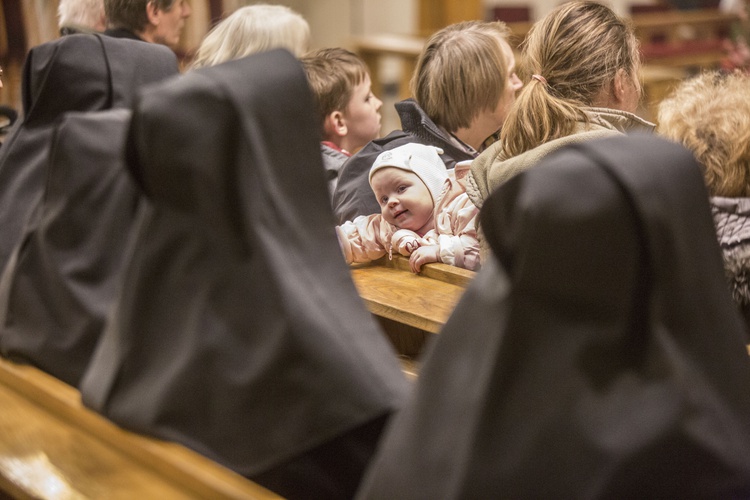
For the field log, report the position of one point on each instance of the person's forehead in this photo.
(390, 175)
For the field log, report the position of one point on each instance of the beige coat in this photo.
(492, 168)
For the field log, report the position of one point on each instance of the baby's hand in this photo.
(424, 255)
(411, 246)
(407, 244)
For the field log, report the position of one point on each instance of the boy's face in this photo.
(404, 199)
(362, 116)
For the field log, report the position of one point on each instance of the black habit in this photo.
(66, 201)
(239, 331)
(598, 355)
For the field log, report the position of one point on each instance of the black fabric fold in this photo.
(597, 354)
(239, 331)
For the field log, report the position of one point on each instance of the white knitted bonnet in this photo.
(418, 158)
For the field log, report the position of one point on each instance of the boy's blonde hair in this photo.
(578, 48)
(251, 29)
(710, 115)
(333, 73)
(461, 72)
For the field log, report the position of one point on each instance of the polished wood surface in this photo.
(52, 447)
(423, 301)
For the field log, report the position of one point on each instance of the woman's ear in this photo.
(619, 86)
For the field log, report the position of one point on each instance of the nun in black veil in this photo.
(598, 355)
(238, 331)
(80, 73)
(66, 202)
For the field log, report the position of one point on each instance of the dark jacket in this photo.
(596, 355)
(122, 33)
(239, 331)
(353, 195)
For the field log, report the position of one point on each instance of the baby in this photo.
(425, 213)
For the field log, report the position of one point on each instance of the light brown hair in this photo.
(333, 73)
(461, 72)
(578, 48)
(710, 115)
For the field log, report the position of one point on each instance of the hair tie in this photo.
(539, 78)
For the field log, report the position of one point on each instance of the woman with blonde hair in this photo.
(251, 29)
(710, 115)
(583, 63)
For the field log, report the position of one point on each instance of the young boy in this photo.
(349, 112)
(425, 213)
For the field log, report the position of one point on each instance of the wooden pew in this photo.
(52, 447)
(410, 307)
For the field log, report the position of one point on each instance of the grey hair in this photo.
(251, 29)
(85, 13)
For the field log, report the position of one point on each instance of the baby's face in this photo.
(404, 199)
(362, 116)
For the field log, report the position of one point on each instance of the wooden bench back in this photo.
(51, 446)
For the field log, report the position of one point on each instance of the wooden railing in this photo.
(52, 447)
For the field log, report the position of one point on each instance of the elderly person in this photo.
(154, 21)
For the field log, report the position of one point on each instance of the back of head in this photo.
(86, 14)
(710, 115)
(251, 29)
(332, 74)
(577, 49)
(131, 14)
(461, 72)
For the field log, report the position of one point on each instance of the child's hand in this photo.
(424, 255)
(411, 246)
(406, 243)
